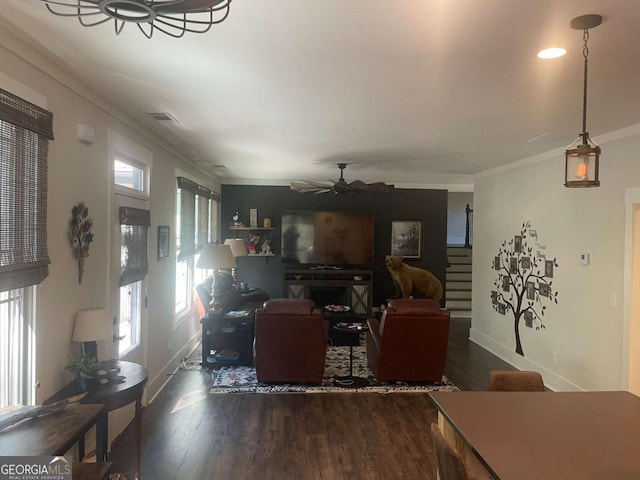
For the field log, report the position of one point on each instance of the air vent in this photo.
(164, 117)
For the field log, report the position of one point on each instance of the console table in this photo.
(53, 434)
(113, 396)
(350, 287)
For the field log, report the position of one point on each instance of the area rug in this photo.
(242, 379)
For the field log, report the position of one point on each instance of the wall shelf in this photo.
(248, 229)
(247, 234)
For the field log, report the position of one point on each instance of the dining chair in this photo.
(450, 463)
(515, 381)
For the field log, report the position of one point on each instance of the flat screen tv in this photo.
(327, 238)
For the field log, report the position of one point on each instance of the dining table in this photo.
(545, 435)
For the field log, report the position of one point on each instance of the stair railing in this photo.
(468, 211)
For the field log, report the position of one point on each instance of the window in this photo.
(25, 130)
(126, 174)
(130, 316)
(130, 176)
(17, 352)
(134, 224)
(196, 226)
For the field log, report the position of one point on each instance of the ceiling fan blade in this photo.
(380, 187)
(377, 187)
(309, 187)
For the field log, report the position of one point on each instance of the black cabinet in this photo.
(227, 339)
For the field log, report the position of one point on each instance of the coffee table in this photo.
(351, 380)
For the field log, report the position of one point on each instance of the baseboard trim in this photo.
(157, 383)
(552, 380)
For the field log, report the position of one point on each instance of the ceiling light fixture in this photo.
(582, 157)
(553, 52)
(172, 17)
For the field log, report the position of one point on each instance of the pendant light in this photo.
(171, 17)
(582, 157)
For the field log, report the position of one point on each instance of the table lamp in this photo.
(92, 324)
(238, 249)
(216, 258)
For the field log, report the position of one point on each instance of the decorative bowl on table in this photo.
(337, 308)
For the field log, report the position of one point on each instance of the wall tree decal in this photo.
(524, 283)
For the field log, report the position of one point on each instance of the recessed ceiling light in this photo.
(554, 52)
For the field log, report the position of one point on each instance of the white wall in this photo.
(581, 346)
(78, 173)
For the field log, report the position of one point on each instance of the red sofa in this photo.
(409, 342)
(290, 342)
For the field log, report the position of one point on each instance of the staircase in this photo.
(458, 292)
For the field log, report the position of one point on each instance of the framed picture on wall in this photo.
(544, 289)
(531, 291)
(548, 268)
(163, 241)
(406, 238)
(517, 243)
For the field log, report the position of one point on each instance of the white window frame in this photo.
(127, 151)
(133, 162)
(194, 275)
(17, 347)
(24, 380)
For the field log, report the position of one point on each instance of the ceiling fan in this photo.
(340, 186)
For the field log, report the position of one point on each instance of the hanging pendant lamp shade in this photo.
(172, 17)
(582, 157)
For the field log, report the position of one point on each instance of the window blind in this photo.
(134, 224)
(188, 191)
(202, 221)
(25, 131)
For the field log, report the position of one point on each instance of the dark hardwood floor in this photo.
(189, 434)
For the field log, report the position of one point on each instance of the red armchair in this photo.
(409, 343)
(290, 342)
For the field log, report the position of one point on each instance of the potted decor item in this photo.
(83, 369)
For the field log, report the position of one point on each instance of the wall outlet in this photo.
(584, 258)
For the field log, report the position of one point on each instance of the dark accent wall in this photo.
(430, 206)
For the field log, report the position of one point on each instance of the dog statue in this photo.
(412, 281)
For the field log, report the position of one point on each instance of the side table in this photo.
(228, 339)
(113, 396)
(340, 314)
(351, 380)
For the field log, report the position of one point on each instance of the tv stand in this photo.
(352, 287)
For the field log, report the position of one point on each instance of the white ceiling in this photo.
(408, 92)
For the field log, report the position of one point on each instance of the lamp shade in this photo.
(238, 247)
(216, 257)
(92, 324)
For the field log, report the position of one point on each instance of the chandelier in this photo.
(172, 17)
(582, 157)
